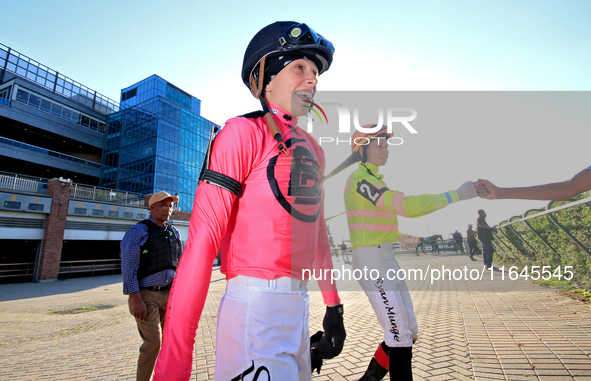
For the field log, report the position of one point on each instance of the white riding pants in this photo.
(389, 296)
(262, 330)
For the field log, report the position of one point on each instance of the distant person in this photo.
(343, 249)
(485, 236)
(457, 236)
(471, 239)
(150, 252)
(580, 183)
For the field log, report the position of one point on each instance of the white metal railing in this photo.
(22, 183)
(14, 182)
(86, 192)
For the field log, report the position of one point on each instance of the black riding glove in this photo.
(330, 344)
(316, 359)
(334, 329)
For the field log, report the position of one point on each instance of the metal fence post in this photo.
(559, 225)
(521, 238)
(503, 243)
(537, 233)
(509, 239)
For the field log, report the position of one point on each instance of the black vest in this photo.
(161, 251)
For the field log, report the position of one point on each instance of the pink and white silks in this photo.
(275, 229)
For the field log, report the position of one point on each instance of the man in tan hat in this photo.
(150, 251)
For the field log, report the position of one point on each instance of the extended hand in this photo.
(467, 191)
(486, 189)
(407, 241)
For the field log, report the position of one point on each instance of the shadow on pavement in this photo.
(19, 291)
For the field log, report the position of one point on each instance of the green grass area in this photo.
(568, 287)
(562, 284)
(584, 293)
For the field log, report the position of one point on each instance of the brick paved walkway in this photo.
(469, 330)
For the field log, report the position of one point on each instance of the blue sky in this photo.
(382, 45)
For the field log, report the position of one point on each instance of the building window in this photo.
(22, 96)
(66, 113)
(129, 94)
(93, 123)
(56, 110)
(45, 105)
(5, 92)
(34, 100)
(36, 207)
(12, 205)
(39, 102)
(76, 117)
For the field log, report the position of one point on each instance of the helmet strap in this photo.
(273, 127)
(257, 89)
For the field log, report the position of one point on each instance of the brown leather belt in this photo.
(157, 288)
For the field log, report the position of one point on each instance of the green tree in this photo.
(330, 236)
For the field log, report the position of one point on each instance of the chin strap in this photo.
(273, 128)
(256, 88)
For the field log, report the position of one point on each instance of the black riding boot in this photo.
(374, 372)
(400, 363)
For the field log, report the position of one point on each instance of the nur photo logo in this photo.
(386, 116)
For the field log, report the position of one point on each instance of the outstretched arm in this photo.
(580, 183)
(417, 206)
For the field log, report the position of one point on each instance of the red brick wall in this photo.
(181, 216)
(55, 226)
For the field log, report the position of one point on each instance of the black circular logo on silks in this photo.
(303, 188)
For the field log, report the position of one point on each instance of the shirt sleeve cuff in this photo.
(129, 289)
(452, 196)
(331, 297)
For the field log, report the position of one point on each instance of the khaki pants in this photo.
(150, 330)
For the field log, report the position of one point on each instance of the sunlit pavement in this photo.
(470, 328)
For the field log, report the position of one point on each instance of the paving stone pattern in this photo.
(485, 329)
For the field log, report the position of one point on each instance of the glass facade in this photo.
(155, 86)
(156, 142)
(23, 66)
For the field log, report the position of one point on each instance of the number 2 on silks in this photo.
(369, 191)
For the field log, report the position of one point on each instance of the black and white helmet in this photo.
(283, 36)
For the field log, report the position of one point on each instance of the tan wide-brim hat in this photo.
(162, 195)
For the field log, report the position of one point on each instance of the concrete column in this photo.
(55, 226)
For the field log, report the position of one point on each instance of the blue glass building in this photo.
(157, 141)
